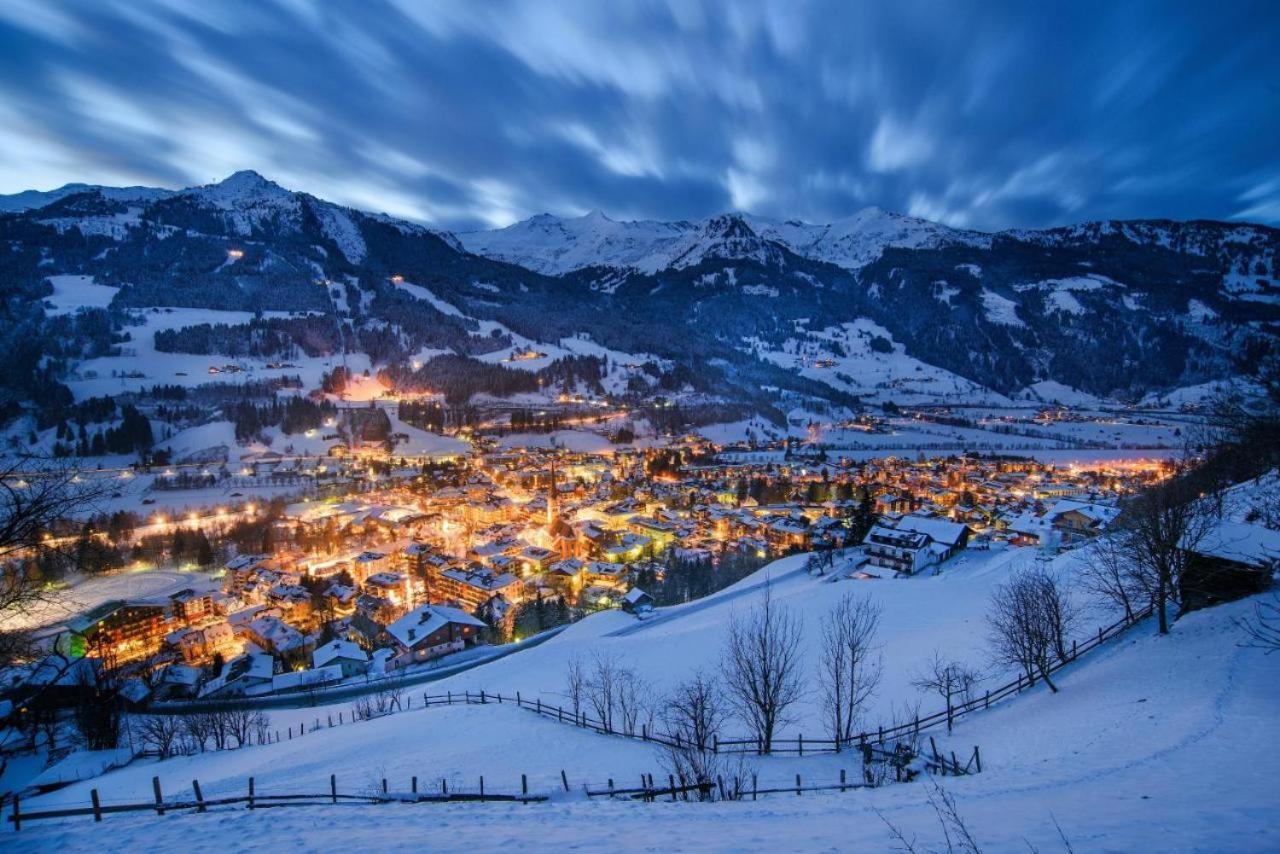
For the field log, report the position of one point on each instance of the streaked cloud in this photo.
(470, 114)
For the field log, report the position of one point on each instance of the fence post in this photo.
(482, 699)
(610, 787)
(444, 786)
(17, 816)
(384, 785)
(524, 784)
(155, 786)
(715, 745)
(482, 787)
(720, 783)
(753, 785)
(539, 706)
(519, 702)
(800, 743)
(564, 778)
(97, 806)
(797, 785)
(1073, 650)
(333, 788)
(671, 778)
(842, 778)
(987, 702)
(977, 758)
(195, 787)
(250, 793)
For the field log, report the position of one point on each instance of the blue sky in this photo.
(475, 114)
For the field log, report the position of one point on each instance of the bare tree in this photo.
(762, 667)
(1027, 623)
(575, 684)
(1110, 574)
(244, 724)
(37, 503)
(602, 689)
(1158, 532)
(634, 708)
(951, 680)
(694, 713)
(1263, 628)
(160, 733)
(197, 729)
(850, 665)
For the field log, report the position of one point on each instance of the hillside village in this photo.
(502, 546)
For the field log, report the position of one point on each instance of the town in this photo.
(450, 561)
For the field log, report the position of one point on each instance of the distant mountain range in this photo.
(776, 314)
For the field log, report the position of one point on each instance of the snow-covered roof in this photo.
(938, 530)
(415, 626)
(1241, 542)
(336, 650)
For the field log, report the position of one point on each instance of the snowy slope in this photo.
(1152, 744)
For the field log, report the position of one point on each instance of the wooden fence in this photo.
(648, 791)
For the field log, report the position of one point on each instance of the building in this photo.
(351, 659)
(431, 631)
(906, 552)
(119, 631)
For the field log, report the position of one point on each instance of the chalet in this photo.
(951, 537)
(245, 675)
(636, 601)
(905, 551)
(351, 659)
(1233, 559)
(276, 636)
(431, 631)
(1079, 520)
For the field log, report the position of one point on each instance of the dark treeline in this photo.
(291, 415)
(691, 576)
(263, 337)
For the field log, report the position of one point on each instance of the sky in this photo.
(470, 115)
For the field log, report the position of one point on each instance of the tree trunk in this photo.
(1044, 674)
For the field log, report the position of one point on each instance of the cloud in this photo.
(469, 115)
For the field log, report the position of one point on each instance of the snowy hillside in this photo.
(1170, 737)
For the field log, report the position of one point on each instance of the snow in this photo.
(842, 357)
(1052, 391)
(555, 245)
(1132, 751)
(1000, 309)
(338, 227)
(71, 293)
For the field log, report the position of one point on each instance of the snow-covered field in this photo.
(1153, 743)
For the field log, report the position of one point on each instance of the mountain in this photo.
(31, 199)
(556, 246)
(735, 308)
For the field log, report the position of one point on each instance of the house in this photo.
(1079, 520)
(636, 601)
(951, 536)
(431, 631)
(906, 552)
(241, 676)
(352, 660)
(1231, 560)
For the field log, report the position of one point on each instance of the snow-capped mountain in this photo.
(32, 199)
(738, 307)
(556, 246)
